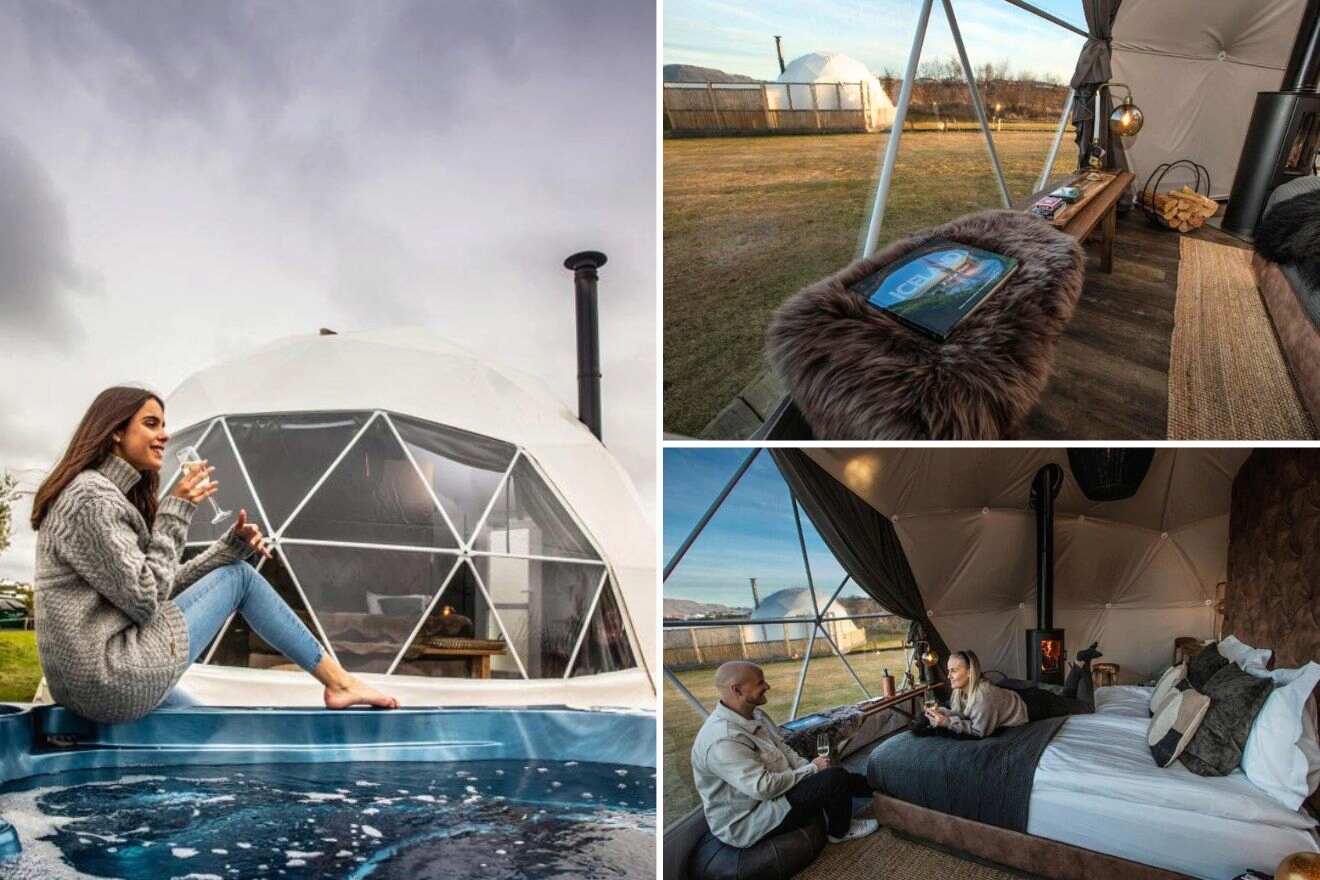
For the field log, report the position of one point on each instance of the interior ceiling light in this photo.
(1110, 474)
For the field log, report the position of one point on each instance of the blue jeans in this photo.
(207, 604)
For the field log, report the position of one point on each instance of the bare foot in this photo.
(357, 694)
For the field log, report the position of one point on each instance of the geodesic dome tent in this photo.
(857, 88)
(434, 519)
(796, 602)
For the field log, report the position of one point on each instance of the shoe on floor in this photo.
(1090, 653)
(858, 828)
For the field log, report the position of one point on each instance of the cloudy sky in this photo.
(737, 36)
(181, 182)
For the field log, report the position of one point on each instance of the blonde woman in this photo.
(978, 708)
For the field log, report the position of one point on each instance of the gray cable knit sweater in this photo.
(111, 640)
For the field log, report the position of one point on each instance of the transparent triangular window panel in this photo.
(543, 606)
(368, 601)
(527, 520)
(747, 561)
(605, 647)
(463, 469)
(460, 637)
(373, 496)
(286, 453)
(232, 493)
(239, 645)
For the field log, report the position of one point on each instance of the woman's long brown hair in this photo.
(94, 439)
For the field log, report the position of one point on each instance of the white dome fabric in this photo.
(1131, 574)
(1195, 67)
(859, 88)
(414, 374)
(796, 602)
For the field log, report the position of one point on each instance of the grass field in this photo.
(748, 221)
(20, 673)
(828, 685)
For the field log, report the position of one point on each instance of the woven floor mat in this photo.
(1227, 378)
(889, 856)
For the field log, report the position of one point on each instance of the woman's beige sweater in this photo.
(988, 709)
(111, 640)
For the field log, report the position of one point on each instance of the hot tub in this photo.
(212, 792)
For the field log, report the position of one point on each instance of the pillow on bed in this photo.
(1236, 698)
(1202, 667)
(1176, 723)
(1165, 687)
(1282, 756)
(1253, 660)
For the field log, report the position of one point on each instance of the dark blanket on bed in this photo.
(987, 780)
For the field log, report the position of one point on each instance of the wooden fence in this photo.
(694, 109)
(705, 646)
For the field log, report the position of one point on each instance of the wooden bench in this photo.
(1098, 209)
(477, 653)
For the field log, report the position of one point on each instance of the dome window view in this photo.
(409, 547)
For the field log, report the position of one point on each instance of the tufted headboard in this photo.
(1273, 594)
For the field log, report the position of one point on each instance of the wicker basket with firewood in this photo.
(1182, 209)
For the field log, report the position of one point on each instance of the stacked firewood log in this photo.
(1184, 209)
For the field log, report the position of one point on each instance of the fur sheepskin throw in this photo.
(1289, 233)
(858, 374)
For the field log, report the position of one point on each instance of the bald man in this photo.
(751, 784)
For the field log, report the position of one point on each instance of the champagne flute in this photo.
(189, 457)
(823, 745)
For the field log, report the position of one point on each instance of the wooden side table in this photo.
(1104, 674)
(1185, 648)
(1099, 210)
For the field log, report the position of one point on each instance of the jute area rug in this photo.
(889, 856)
(1227, 377)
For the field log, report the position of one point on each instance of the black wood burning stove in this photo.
(1045, 644)
(1284, 133)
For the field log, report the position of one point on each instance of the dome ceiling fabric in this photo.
(1131, 574)
(1195, 67)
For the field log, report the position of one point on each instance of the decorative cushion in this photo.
(1203, 666)
(1236, 698)
(857, 374)
(1282, 755)
(1176, 723)
(773, 858)
(1249, 659)
(1166, 687)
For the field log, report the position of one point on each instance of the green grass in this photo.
(748, 221)
(20, 673)
(828, 685)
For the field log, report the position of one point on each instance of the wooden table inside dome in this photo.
(1100, 209)
(477, 652)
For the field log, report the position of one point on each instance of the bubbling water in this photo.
(492, 819)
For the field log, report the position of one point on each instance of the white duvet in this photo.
(1097, 787)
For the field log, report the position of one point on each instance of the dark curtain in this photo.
(862, 539)
(1093, 69)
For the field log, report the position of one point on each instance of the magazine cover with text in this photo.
(937, 286)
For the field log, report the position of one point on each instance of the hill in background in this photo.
(691, 73)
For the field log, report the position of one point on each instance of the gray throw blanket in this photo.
(988, 779)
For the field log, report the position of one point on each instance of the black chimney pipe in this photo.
(1303, 71)
(779, 50)
(1044, 489)
(583, 265)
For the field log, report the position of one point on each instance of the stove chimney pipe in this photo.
(1044, 489)
(1303, 71)
(583, 265)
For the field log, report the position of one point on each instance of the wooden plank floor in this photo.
(1111, 367)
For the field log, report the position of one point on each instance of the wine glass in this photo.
(189, 457)
(823, 745)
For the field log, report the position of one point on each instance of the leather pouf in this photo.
(774, 858)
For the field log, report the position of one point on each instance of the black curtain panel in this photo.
(1093, 69)
(862, 539)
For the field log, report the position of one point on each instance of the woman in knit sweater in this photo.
(978, 708)
(119, 619)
